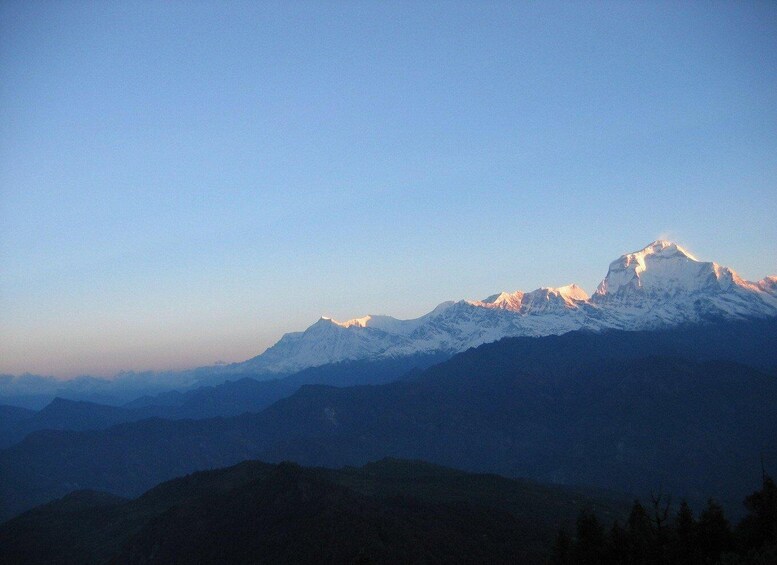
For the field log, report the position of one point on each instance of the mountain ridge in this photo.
(659, 286)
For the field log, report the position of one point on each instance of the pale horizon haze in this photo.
(183, 182)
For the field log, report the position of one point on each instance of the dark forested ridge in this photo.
(391, 511)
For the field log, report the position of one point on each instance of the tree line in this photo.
(654, 534)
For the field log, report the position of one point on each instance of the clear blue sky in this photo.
(183, 182)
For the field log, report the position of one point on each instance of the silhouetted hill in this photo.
(609, 410)
(391, 511)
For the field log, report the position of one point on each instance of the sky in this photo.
(183, 182)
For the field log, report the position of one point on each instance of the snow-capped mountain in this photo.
(664, 285)
(659, 286)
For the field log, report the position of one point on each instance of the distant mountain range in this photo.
(660, 286)
(230, 398)
(688, 411)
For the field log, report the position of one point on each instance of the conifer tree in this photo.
(714, 532)
(640, 534)
(685, 545)
(590, 546)
(618, 546)
(759, 527)
(563, 549)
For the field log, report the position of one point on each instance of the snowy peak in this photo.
(664, 285)
(358, 322)
(553, 299)
(662, 266)
(540, 300)
(503, 300)
(383, 323)
(664, 248)
(768, 285)
(571, 293)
